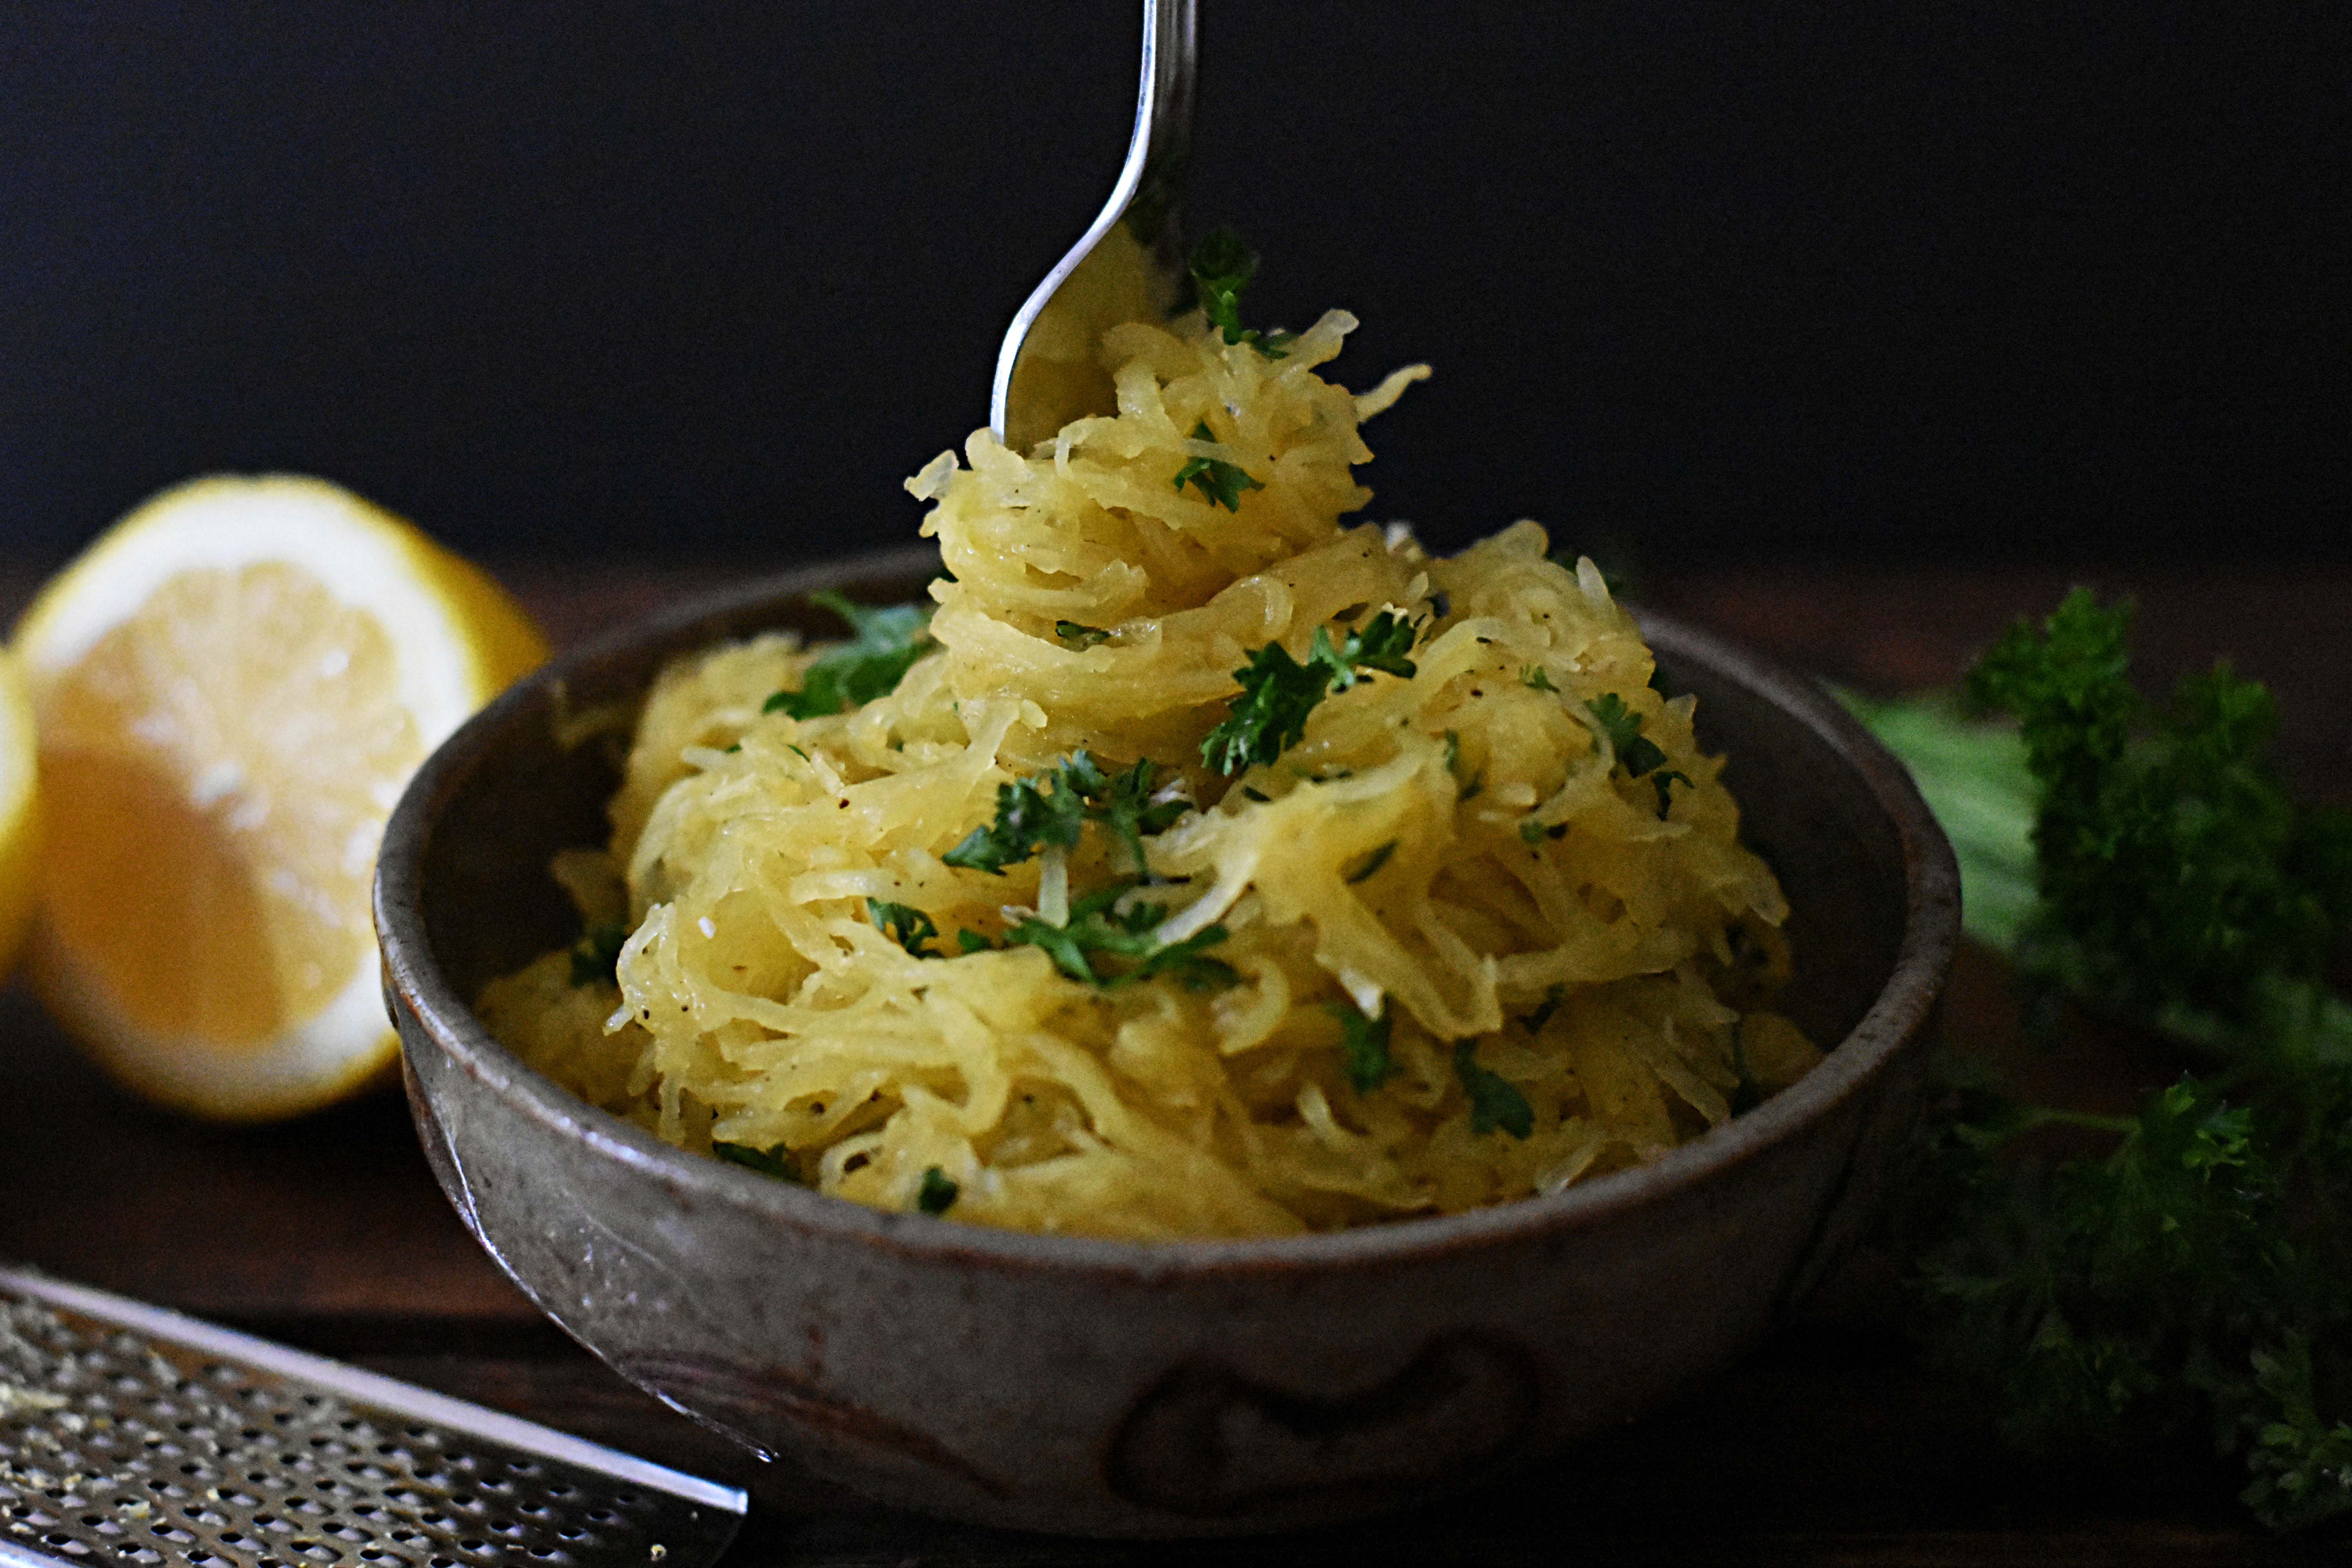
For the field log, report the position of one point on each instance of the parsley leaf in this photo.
(910, 927)
(1221, 481)
(1186, 961)
(1278, 692)
(1364, 1042)
(776, 1162)
(1637, 755)
(598, 956)
(1097, 928)
(1270, 715)
(1493, 1102)
(1079, 635)
(1221, 267)
(1126, 808)
(1477, 782)
(884, 644)
(1382, 645)
(1973, 777)
(938, 1193)
(1661, 780)
(1052, 808)
(1368, 867)
(1030, 816)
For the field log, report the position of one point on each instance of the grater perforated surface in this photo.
(133, 1437)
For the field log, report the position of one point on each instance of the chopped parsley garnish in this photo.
(1052, 808)
(938, 1193)
(1221, 267)
(776, 1162)
(1368, 866)
(1097, 930)
(598, 956)
(910, 927)
(1364, 1042)
(1125, 806)
(1381, 644)
(1079, 635)
(884, 644)
(1477, 785)
(1278, 692)
(1455, 753)
(1221, 481)
(1032, 814)
(1546, 1008)
(1536, 678)
(1494, 1103)
(1637, 755)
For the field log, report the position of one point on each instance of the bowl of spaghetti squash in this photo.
(1164, 1010)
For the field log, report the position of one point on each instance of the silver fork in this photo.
(1129, 266)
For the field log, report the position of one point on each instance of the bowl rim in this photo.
(1898, 1015)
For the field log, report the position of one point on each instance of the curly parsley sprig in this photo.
(1278, 692)
(2189, 1272)
(1099, 929)
(1221, 267)
(1220, 481)
(1637, 755)
(1051, 809)
(884, 644)
(909, 927)
(2176, 875)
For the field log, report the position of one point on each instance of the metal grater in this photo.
(136, 1436)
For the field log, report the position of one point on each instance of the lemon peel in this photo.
(230, 687)
(20, 811)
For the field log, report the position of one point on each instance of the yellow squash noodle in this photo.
(1482, 931)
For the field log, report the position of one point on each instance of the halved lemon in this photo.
(231, 686)
(20, 816)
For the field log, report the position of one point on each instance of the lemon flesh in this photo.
(231, 688)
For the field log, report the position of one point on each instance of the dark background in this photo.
(1704, 283)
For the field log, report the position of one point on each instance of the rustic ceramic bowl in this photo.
(1104, 1387)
